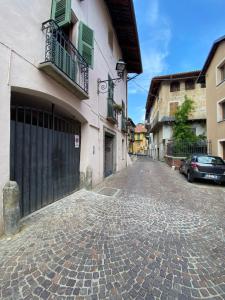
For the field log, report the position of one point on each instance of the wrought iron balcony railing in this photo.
(63, 58)
(111, 115)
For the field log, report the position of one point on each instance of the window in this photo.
(222, 73)
(175, 86)
(189, 85)
(210, 160)
(173, 108)
(86, 43)
(203, 85)
(61, 12)
(110, 39)
(221, 111)
(138, 136)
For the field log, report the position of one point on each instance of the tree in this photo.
(182, 130)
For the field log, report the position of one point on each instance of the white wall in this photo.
(22, 46)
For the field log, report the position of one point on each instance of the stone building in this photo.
(213, 75)
(166, 93)
(140, 145)
(58, 124)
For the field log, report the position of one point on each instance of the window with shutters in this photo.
(61, 12)
(189, 84)
(175, 86)
(173, 108)
(86, 43)
(222, 73)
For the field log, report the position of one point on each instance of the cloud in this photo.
(153, 12)
(155, 36)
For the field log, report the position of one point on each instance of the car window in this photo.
(210, 160)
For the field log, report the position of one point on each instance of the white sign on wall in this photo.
(76, 141)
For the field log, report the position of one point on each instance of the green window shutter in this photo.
(61, 11)
(86, 43)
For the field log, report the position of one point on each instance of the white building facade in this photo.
(58, 130)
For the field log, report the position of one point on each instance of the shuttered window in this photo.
(86, 43)
(173, 108)
(61, 11)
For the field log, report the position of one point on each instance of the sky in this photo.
(175, 36)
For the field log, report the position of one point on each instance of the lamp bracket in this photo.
(104, 84)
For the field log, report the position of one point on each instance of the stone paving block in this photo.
(157, 238)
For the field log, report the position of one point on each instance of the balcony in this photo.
(111, 115)
(154, 123)
(63, 62)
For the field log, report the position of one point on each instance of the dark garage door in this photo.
(45, 160)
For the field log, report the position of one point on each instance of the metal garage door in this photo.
(45, 160)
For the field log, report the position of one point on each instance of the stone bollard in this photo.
(11, 207)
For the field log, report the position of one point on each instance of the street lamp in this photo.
(120, 67)
(104, 84)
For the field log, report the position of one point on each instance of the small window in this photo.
(61, 12)
(222, 72)
(223, 110)
(203, 85)
(110, 39)
(123, 150)
(173, 108)
(189, 85)
(174, 86)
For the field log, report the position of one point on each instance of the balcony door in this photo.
(108, 169)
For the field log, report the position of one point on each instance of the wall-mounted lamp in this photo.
(104, 84)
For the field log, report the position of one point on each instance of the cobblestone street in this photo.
(145, 233)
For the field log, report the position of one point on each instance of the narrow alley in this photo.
(144, 233)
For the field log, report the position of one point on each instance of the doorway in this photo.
(109, 141)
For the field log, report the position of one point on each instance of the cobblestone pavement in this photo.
(155, 236)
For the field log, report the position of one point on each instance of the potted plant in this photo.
(118, 108)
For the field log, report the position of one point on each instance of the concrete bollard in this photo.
(11, 207)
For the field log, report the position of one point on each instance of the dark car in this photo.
(203, 167)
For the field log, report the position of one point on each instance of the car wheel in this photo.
(190, 177)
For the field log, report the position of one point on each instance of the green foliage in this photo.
(182, 130)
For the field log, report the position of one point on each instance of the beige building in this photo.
(166, 93)
(140, 145)
(59, 127)
(213, 74)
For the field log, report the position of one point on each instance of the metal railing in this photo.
(111, 110)
(61, 52)
(185, 148)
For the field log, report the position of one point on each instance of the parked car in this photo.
(203, 167)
